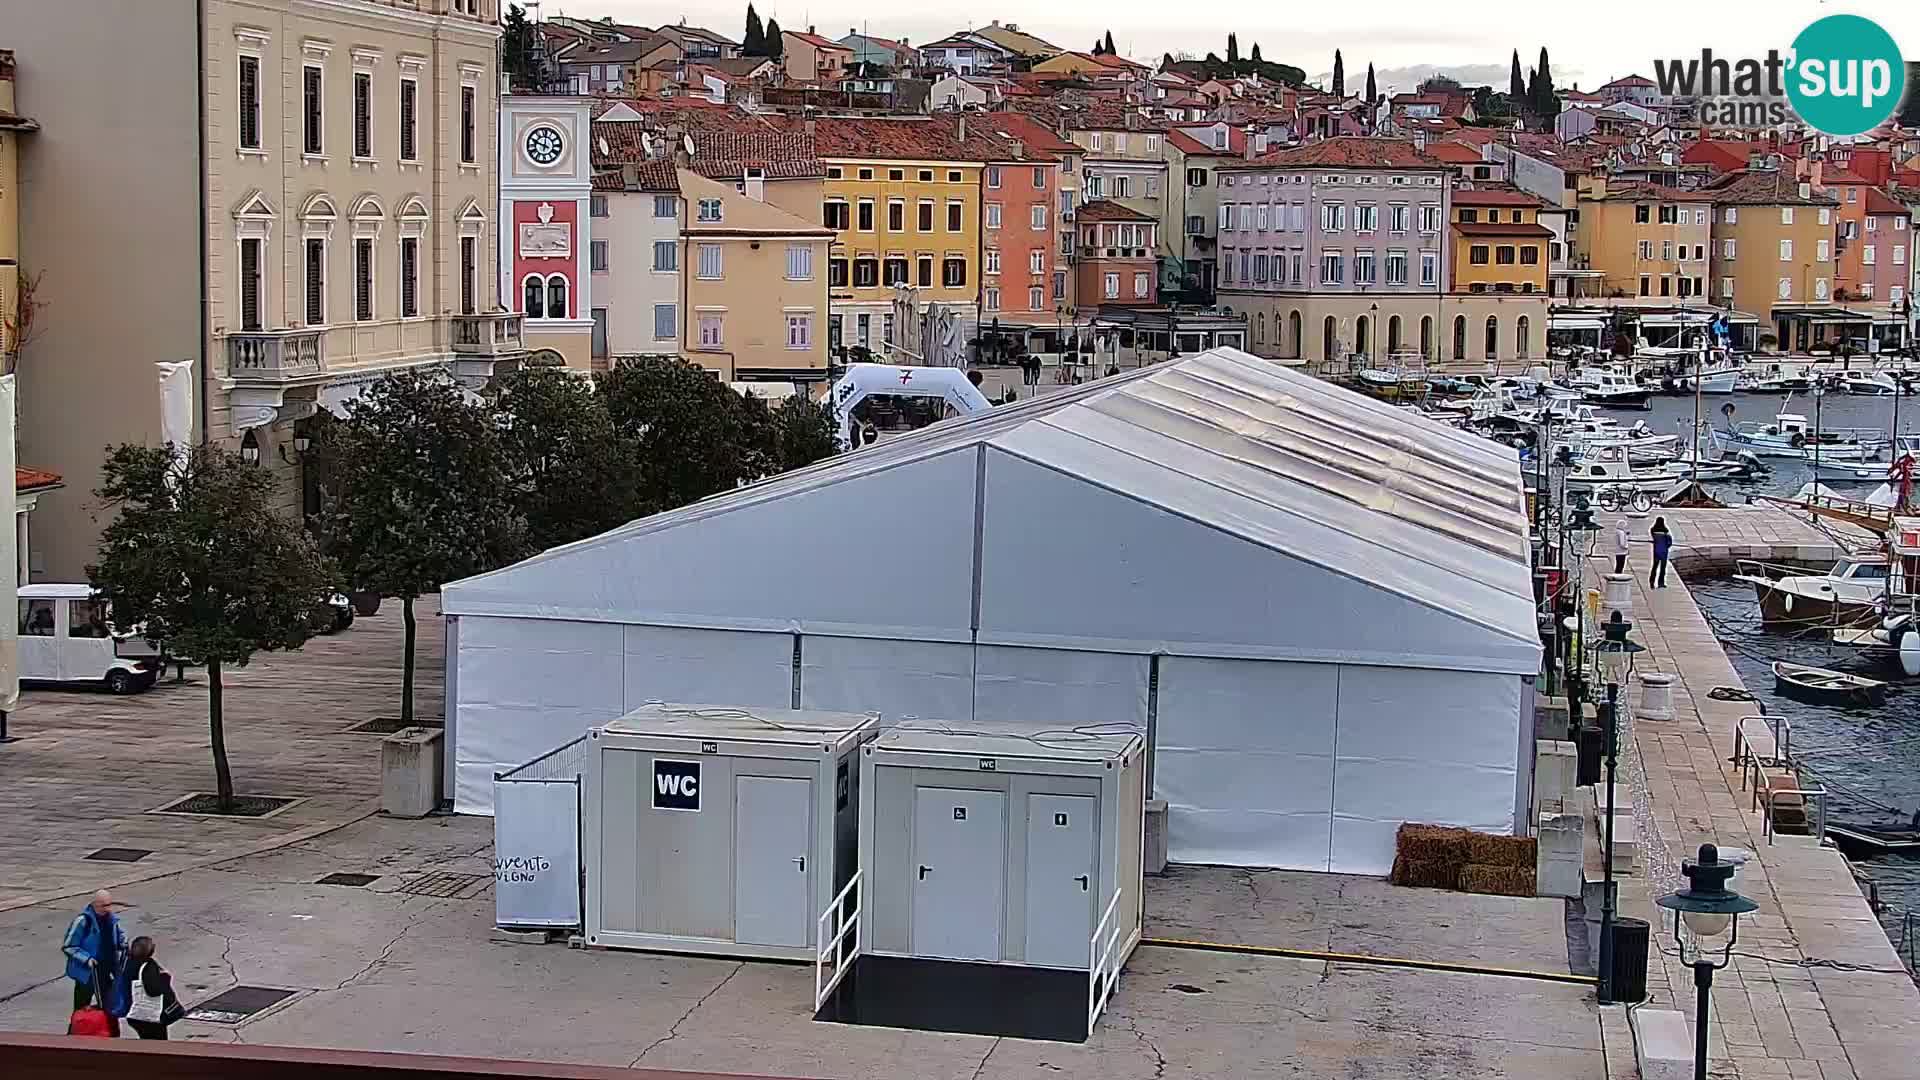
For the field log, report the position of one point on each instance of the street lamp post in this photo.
(1708, 908)
(1581, 530)
(1616, 665)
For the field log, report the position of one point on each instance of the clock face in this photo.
(544, 145)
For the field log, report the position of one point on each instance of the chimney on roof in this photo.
(963, 127)
(1247, 150)
(1806, 190)
(1019, 150)
(810, 29)
(996, 22)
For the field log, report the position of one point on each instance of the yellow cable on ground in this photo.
(1374, 961)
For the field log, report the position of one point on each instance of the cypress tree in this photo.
(1373, 94)
(754, 41)
(1233, 49)
(1109, 44)
(776, 43)
(1516, 83)
(1255, 55)
(1339, 75)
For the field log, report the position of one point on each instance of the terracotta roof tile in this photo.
(1108, 210)
(1189, 144)
(1494, 196)
(1501, 228)
(726, 155)
(1454, 153)
(1879, 202)
(816, 40)
(1352, 152)
(1647, 191)
(1040, 140)
(916, 138)
(26, 478)
(1764, 187)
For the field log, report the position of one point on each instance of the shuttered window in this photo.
(409, 276)
(250, 284)
(363, 279)
(362, 114)
(316, 281)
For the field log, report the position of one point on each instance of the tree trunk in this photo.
(216, 723)
(406, 678)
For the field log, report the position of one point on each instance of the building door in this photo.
(959, 872)
(600, 333)
(1062, 879)
(772, 824)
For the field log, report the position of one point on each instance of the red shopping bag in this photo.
(91, 1021)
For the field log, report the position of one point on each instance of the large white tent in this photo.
(1316, 606)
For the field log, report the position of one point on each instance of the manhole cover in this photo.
(449, 886)
(119, 854)
(387, 725)
(238, 1003)
(352, 881)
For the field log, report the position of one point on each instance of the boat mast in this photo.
(1699, 376)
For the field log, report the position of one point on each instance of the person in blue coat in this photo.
(96, 947)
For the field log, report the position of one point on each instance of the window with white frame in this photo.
(1363, 268)
(1122, 186)
(1397, 217)
(1786, 250)
(993, 176)
(1429, 267)
(1366, 217)
(1899, 254)
(313, 109)
(1036, 298)
(1430, 218)
(1332, 268)
(469, 273)
(1728, 247)
(409, 111)
(557, 297)
(799, 262)
(468, 117)
(799, 330)
(1260, 218)
(1646, 249)
(1259, 268)
(1700, 215)
(1333, 217)
(710, 262)
(597, 252)
(666, 256)
(248, 103)
(1036, 261)
(1396, 267)
(710, 210)
(896, 215)
(993, 261)
(1112, 283)
(315, 250)
(1819, 288)
(597, 206)
(1039, 178)
(990, 297)
(363, 278)
(1896, 293)
(1732, 216)
(1153, 188)
(712, 330)
(1726, 287)
(1786, 215)
(1873, 224)
(666, 322)
(993, 215)
(409, 277)
(1786, 288)
(1037, 217)
(252, 290)
(1140, 288)
(363, 114)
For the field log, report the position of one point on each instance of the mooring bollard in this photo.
(1656, 696)
(1618, 596)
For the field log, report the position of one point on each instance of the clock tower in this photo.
(546, 179)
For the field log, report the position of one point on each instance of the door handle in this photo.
(924, 870)
(802, 860)
(1082, 879)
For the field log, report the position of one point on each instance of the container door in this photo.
(959, 872)
(1062, 879)
(772, 853)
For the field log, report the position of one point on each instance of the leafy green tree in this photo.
(572, 474)
(424, 494)
(693, 435)
(754, 41)
(516, 46)
(1339, 75)
(776, 40)
(803, 432)
(200, 557)
(1233, 48)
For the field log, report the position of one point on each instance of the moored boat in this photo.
(1848, 594)
(1821, 686)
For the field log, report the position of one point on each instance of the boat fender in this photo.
(1906, 645)
(1797, 440)
(1788, 602)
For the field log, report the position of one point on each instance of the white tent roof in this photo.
(1217, 505)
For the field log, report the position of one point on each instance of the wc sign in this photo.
(676, 785)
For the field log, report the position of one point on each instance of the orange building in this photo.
(1117, 265)
(1017, 195)
(1871, 240)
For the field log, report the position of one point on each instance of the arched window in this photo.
(1293, 334)
(556, 297)
(1329, 332)
(1426, 337)
(1523, 347)
(536, 304)
(1260, 328)
(1493, 337)
(1362, 334)
(1459, 337)
(1393, 334)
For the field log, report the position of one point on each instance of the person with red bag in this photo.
(95, 948)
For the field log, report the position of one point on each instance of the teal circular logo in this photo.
(1846, 76)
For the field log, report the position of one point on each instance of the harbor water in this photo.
(1868, 759)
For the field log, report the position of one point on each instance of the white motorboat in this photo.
(1715, 381)
(1868, 384)
(1777, 378)
(1791, 436)
(1602, 386)
(1610, 469)
(1848, 594)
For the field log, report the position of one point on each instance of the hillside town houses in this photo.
(378, 185)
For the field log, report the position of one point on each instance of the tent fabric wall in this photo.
(1060, 688)
(1429, 746)
(526, 686)
(1244, 759)
(897, 679)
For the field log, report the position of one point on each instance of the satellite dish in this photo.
(686, 141)
(646, 143)
(602, 142)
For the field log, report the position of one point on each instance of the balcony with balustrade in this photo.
(500, 335)
(276, 357)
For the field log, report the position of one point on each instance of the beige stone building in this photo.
(1647, 241)
(756, 285)
(303, 203)
(1772, 252)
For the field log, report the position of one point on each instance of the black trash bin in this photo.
(1631, 938)
(1590, 746)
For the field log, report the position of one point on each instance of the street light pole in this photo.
(1617, 661)
(1709, 908)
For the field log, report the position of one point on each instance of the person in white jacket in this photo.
(1620, 548)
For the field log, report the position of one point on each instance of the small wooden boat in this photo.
(1819, 686)
(1868, 841)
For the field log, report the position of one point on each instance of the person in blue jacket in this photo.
(96, 946)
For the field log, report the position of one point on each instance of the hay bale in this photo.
(1425, 873)
(1488, 849)
(1433, 843)
(1497, 880)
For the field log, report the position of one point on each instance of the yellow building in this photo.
(1499, 244)
(1646, 240)
(1773, 252)
(756, 285)
(902, 195)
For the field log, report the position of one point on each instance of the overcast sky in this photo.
(1589, 42)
